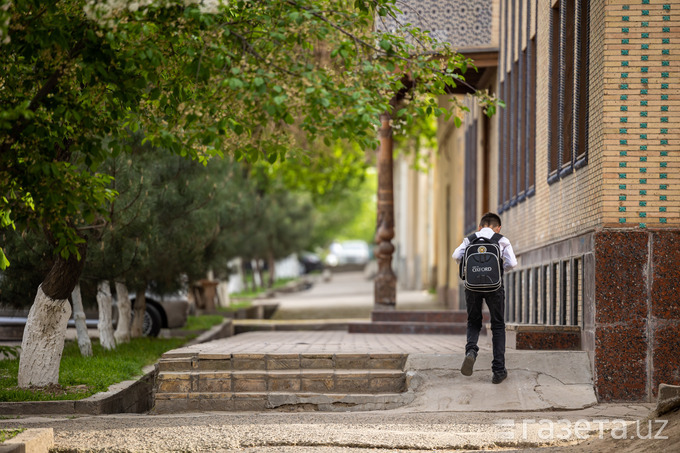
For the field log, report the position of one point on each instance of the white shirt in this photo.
(509, 259)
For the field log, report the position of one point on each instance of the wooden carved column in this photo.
(385, 296)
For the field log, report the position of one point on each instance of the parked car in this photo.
(310, 262)
(349, 252)
(167, 311)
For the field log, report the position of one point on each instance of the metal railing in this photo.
(549, 294)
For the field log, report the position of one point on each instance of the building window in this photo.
(568, 88)
(517, 86)
(471, 174)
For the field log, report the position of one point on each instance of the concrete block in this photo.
(316, 361)
(254, 402)
(34, 440)
(352, 382)
(317, 382)
(283, 361)
(250, 382)
(283, 382)
(221, 382)
(387, 361)
(212, 364)
(669, 398)
(248, 361)
(180, 364)
(351, 361)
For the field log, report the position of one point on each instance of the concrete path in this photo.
(347, 295)
(547, 396)
(537, 380)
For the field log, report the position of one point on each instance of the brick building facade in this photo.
(583, 165)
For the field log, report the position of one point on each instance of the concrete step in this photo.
(270, 325)
(434, 328)
(168, 403)
(435, 322)
(310, 381)
(189, 381)
(424, 316)
(194, 361)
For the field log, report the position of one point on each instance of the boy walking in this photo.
(489, 228)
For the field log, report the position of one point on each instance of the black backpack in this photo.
(482, 264)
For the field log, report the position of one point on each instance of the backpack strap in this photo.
(496, 239)
(472, 237)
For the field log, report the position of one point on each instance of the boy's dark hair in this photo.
(490, 220)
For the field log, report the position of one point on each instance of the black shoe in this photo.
(499, 377)
(468, 363)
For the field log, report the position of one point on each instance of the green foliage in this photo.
(236, 305)
(10, 352)
(257, 80)
(353, 216)
(7, 434)
(96, 373)
(32, 258)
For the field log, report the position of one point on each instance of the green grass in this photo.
(90, 374)
(250, 294)
(7, 434)
(236, 305)
(204, 322)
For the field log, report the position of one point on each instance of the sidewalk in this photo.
(445, 410)
(537, 380)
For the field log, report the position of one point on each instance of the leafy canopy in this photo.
(258, 79)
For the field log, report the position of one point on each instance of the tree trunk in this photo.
(260, 273)
(106, 338)
(272, 271)
(122, 333)
(249, 284)
(43, 341)
(138, 316)
(84, 343)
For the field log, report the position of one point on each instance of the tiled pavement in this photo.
(339, 342)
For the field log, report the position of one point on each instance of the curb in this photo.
(131, 396)
(34, 440)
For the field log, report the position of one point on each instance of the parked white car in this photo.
(348, 252)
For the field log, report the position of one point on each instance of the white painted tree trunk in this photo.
(84, 343)
(122, 333)
(43, 341)
(138, 318)
(105, 305)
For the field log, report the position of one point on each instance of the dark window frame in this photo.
(568, 95)
(517, 122)
(471, 167)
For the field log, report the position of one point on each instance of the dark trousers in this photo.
(496, 302)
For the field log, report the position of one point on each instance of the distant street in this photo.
(347, 295)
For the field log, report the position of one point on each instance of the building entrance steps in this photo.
(445, 322)
(339, 371)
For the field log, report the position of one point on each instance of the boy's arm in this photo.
(460, 251)
(509, 258)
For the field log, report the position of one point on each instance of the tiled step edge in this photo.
(281, 401)
(269, 362)
(410, 328)
(316, 381)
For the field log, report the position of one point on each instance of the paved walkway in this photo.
(314, 342)
(538, 380)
